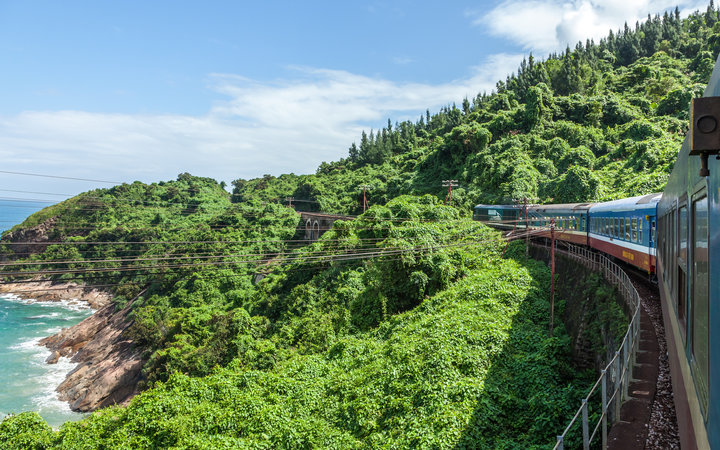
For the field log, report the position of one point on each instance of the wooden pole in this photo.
(527, 231)
(364, 199)
(364, 188)
(449, 184)
(552, 274)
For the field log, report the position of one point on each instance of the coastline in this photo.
(48, 291)
(29, 383)
(108, 366)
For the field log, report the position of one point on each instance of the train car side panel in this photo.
(690, 291)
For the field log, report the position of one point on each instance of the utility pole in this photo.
(449, 184)
(365, 187)
(527, 231)
(552, 274)
(290, 200)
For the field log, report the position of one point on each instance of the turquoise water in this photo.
(14, 212)
(28, 383)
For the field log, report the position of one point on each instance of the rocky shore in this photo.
(47, 291)
(109, 365)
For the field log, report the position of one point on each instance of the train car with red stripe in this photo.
(625, 229)
(570, 219)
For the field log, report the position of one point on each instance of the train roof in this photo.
(562, 207)
(499, 206)
(628, 204)
(542, 208)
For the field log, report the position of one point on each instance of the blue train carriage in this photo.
(499, 216)
(688, 256)
(626, 229)
(571, 221)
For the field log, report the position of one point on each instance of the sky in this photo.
(144, 90)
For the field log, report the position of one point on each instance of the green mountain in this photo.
(408, 326)
(600, 121)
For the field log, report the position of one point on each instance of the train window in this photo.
(627, 229)
(682, 269)
(699, 304)
(616, 228)
(682, 233)
(640, 227)
(672, 237)
(661, 250)
(633, 229)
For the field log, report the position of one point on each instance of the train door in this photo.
(651, 236)
(698, 304)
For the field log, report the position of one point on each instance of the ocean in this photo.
(13, 212)
(28, 384)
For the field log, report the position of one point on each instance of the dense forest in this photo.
(410, 325)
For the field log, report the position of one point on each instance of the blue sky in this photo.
(144, 90)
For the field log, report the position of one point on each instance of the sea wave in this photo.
(29, 383)
(71, 304)
(46, 378)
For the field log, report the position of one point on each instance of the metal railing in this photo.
(615, 377)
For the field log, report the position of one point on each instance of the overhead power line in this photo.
(58, 176)
(302, 259)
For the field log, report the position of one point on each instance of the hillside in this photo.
(407, 326)
(600, 121)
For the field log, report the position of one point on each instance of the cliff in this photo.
(109, 365)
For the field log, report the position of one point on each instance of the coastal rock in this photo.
(34, 239)
(53, 358)
(109, 365)
(48, 291)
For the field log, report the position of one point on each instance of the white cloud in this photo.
(549, 25)
(262, 127)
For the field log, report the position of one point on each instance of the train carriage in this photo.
(688, 256)
(499, 216)
(626, 229)
(571, 221)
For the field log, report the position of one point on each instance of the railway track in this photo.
(648, 419)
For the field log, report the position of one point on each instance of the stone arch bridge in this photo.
(316, 224)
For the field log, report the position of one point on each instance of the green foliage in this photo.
(25, 431)
(403, 327)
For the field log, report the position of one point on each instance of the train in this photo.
(673, 236)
